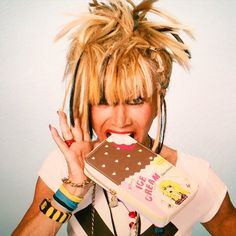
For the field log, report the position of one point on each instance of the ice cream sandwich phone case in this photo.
(139, 177)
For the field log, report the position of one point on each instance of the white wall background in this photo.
(201, 103)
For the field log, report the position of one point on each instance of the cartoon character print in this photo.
(174, 191)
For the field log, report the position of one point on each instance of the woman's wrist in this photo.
(79, 188)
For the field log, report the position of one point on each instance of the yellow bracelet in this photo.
(47, 209)
(69, 195)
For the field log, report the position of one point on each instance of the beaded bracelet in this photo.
(47, 209)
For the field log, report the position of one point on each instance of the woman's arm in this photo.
(34, 221)
(224, 222)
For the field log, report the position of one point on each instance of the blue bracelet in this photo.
(64, 201)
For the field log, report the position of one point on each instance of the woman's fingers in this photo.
(76, 152)
(77, 131)
(86, 135)
(65, 129)
(58, 140)
(80, 134)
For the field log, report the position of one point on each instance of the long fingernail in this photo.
(50, 127)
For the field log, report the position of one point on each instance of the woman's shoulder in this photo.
(176, 157)
(195, 167)
(185, 160)
(191, 165)
(169, 154)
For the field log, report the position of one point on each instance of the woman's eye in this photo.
(136, 101)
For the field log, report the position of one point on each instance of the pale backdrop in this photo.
(201, 103)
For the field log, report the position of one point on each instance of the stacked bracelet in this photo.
(66, 199)
(69, 195)
(76, 185)
(47, 209)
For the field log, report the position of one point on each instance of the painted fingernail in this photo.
(50, 127)
(58, 112)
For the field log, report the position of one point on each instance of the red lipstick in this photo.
(117, 132)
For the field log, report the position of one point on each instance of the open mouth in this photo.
(110, 132)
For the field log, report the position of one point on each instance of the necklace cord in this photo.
(93, 210)
(139, 226)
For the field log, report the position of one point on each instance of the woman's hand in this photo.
(77, 151)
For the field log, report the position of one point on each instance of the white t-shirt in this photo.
(202, 208)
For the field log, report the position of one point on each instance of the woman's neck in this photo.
(166, 152)
(169, 154)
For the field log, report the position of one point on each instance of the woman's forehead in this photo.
(128, 96)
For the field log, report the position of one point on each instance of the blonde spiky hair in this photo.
(116, 53)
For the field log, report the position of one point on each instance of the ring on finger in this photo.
(69, 142)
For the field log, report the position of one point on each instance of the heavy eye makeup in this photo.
(136, 101)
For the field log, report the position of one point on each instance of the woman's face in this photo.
(133, 118)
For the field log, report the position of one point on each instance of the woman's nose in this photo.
(120, 116)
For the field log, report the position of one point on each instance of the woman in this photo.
(119, 67)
